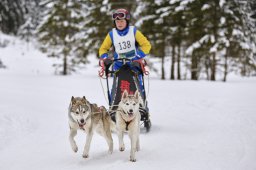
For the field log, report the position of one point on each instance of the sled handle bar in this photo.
(124, 60)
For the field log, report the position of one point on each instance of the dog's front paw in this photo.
(132, 159)
(85, 155)
(122, 148)
(74, 147)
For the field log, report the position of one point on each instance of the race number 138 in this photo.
(124, 45)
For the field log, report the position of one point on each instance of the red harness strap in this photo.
(142, 63)
(102, 65)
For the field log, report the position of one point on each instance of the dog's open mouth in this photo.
(81, 125)
(130, 114)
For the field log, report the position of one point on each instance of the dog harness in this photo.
(127, 124)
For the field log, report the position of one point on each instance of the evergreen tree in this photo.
(33, 17)
(221, 36)
(11, 15)
(233, 46)
(195, 36)
(155, 27)
(61, 31)
(248, 44)
(98, 23)
(174, 13)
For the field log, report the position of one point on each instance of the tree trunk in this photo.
(162, 68)
(213, 67)
(215, 29)
(207, 66)
(173, 63)
(194, 68)
(225, 68)
(178, 63)
(65, 65)
(162, 54)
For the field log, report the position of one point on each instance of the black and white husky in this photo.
(88, 118)
(128, 119)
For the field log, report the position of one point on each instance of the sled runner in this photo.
(127, 78)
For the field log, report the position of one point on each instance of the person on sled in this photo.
(127, 41)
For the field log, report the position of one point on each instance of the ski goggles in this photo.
(119, 15)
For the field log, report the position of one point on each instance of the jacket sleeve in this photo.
(144, 44)
(105, 46)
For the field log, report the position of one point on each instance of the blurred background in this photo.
(199, 39)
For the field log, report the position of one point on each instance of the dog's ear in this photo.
(136, 95)
(73, 100)
(125, 94)
(84, 100)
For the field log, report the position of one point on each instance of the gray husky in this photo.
(128, 119)
(88, 118)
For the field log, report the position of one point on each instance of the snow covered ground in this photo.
(197, 125)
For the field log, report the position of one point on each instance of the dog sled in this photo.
(126, 78)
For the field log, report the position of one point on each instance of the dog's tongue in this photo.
(130, 114)
(81, 125)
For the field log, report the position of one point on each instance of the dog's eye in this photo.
(127, 104)
(77, 113)
(84, 111)
(134, 104)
